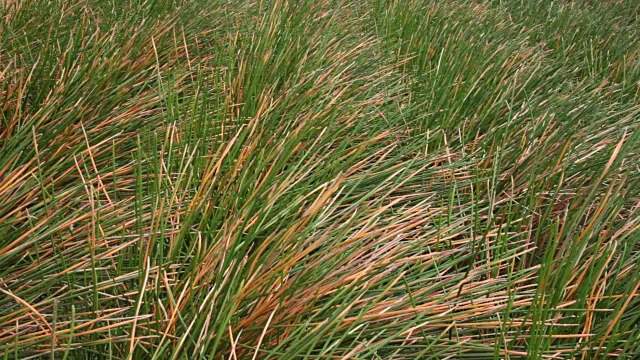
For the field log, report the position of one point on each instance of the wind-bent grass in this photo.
(320, 179)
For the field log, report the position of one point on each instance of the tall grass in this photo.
(319, 179)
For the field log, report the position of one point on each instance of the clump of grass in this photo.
(319, 179)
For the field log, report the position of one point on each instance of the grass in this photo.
(368, 179)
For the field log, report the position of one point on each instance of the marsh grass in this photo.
(319, 179)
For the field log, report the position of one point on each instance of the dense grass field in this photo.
(319, 179)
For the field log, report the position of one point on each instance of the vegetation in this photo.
(316, 179)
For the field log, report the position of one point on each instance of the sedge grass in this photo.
(319, 179)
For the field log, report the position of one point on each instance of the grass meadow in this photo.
(319, 179)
